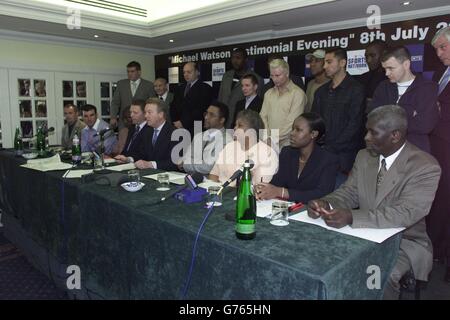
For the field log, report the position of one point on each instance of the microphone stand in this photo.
(102, 169)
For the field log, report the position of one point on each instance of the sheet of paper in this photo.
(371, 234)
(76, 173)
(264, 207)
(121, 167)
(48, 164)
(174, 177)
(110, 160)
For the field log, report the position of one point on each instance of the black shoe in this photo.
(447, 275)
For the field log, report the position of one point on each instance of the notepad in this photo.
(122, 167)
(371, 234)
(76, 173)
(48, 164)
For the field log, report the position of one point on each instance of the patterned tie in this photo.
(188, 87)
(133, 88)
(444, 81)
(381, 173)
(136, 132)
(155, 136)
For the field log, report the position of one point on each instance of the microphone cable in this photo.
(194, 251)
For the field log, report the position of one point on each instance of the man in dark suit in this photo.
(438, 225)
(392, 184)
(137, 133)
(133, 88)
(414, 93)
(163, 93)
(156, 150)
(249, 85)
(191, 99)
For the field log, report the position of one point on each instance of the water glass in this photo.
(280, 213)
(164, 183)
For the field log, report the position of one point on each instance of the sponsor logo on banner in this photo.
(356, 62)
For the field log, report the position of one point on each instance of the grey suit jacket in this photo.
(404, 199)
(122, 96)
(66, 140)
(231, 95)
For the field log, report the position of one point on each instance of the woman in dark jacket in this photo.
(306, 171)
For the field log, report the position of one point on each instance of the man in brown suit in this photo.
(392, 184)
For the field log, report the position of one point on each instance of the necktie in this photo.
(155, 136)
(161, 98)
(188, 87)
(381, 173)
(133, 87)
(136, 132)
(444, 81)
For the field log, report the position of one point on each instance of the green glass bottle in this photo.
(40, 142)
(76, 149)
(246, 207)
(18, 142)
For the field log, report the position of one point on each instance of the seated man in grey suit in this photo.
(73, 125)
(133, 88)
(206, 146)
(94, 130)
(392, 184)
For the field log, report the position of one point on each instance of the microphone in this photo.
(102, 132)
(191, 182)
(237, 174)
(47, 130)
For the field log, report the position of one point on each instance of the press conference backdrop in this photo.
(415, 34)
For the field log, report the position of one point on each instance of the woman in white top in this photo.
(246, 145)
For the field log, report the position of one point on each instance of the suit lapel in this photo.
(393, 176)
(370, 176)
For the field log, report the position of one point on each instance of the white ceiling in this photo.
(218, 24)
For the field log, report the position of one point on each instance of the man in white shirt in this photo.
(95, 130)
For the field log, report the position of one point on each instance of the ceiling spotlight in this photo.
(171, 40)
(406, 3)
(96, 35)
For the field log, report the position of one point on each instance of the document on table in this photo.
(371, 234)
(70, 174)
(209, 183)
(121, 167)
(264, 207)
(48, 164)
(174, 177)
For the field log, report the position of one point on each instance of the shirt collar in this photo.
(164, 96)
(390, 160)
(249, 99)
(160, 127)
(138, 81)
(193, 82)
(96, 124)
(142, 125)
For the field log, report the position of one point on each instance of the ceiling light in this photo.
(96, 35)
(171, 40)
(406, 3)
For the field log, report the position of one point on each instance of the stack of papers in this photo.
(174, 177)
(371, 234)
(48, 164)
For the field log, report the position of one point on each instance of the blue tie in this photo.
(155, 136)
(444, 80)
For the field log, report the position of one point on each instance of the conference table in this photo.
(128, 247)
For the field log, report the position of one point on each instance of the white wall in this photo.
(34, 54)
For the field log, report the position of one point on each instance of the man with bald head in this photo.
(391, 185)
(191, 99)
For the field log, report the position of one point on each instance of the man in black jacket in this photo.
(191, 99)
